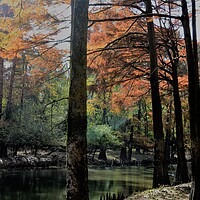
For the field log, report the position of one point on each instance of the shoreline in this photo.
(58, 160)
(178, 192)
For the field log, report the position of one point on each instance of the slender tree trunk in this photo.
(8, 113)
(23, 89)
(77, 171)
(146, 128)
(160, 176)
(1, 85)
(139, 116)
(3, 147)
(123, 154)
(130, 145)
(168, 132)
(8, 110)
(182, 175)
(193, 87)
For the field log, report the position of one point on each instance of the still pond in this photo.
(50, 184)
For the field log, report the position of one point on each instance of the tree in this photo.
(160, 176)
(2, 143)
(77, 172)
(170, 64)
(38, 68)
(194, 92)
(1, 86)
(125, 60)
(101, 137)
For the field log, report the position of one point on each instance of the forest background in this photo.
(34, 77)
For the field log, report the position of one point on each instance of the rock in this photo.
(31, 162)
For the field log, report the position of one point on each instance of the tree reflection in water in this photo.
(50, 184)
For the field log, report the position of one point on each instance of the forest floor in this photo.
(178, 192)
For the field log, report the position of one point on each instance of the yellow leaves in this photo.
(91, 110)
(11, 2)
(6, 24)
(29, 18)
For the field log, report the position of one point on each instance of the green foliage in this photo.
(31, 127)
(101, 136)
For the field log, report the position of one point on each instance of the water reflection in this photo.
(32, 185)
(50, 184)
(114, 180)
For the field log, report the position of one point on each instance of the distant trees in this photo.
(31, 70)
(123, 60)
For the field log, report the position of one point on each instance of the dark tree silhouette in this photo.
(160, 176)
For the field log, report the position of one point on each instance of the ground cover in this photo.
(178, 192)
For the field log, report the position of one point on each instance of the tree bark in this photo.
(102, 154)
(182, 175)
(130, 145)
(8, 112)
(168, 132)
(160, 175)
(77, 171)
(123, 154)
(193, 87)
(1, 85)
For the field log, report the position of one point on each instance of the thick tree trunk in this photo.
(194, 104)
(160, 176)
(77, 171)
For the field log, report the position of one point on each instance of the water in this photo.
(50, 184)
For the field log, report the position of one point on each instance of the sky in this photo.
(63, 12)
(198, 19)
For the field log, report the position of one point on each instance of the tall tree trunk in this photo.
(193, 87)
(77, 170)
(182, 175)
(168, 132)
(139, 116)
(104, 110)
(1, 86)
(160, 176)
(146, 126)
(23, 89)
(8, 112)
(3, 150)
